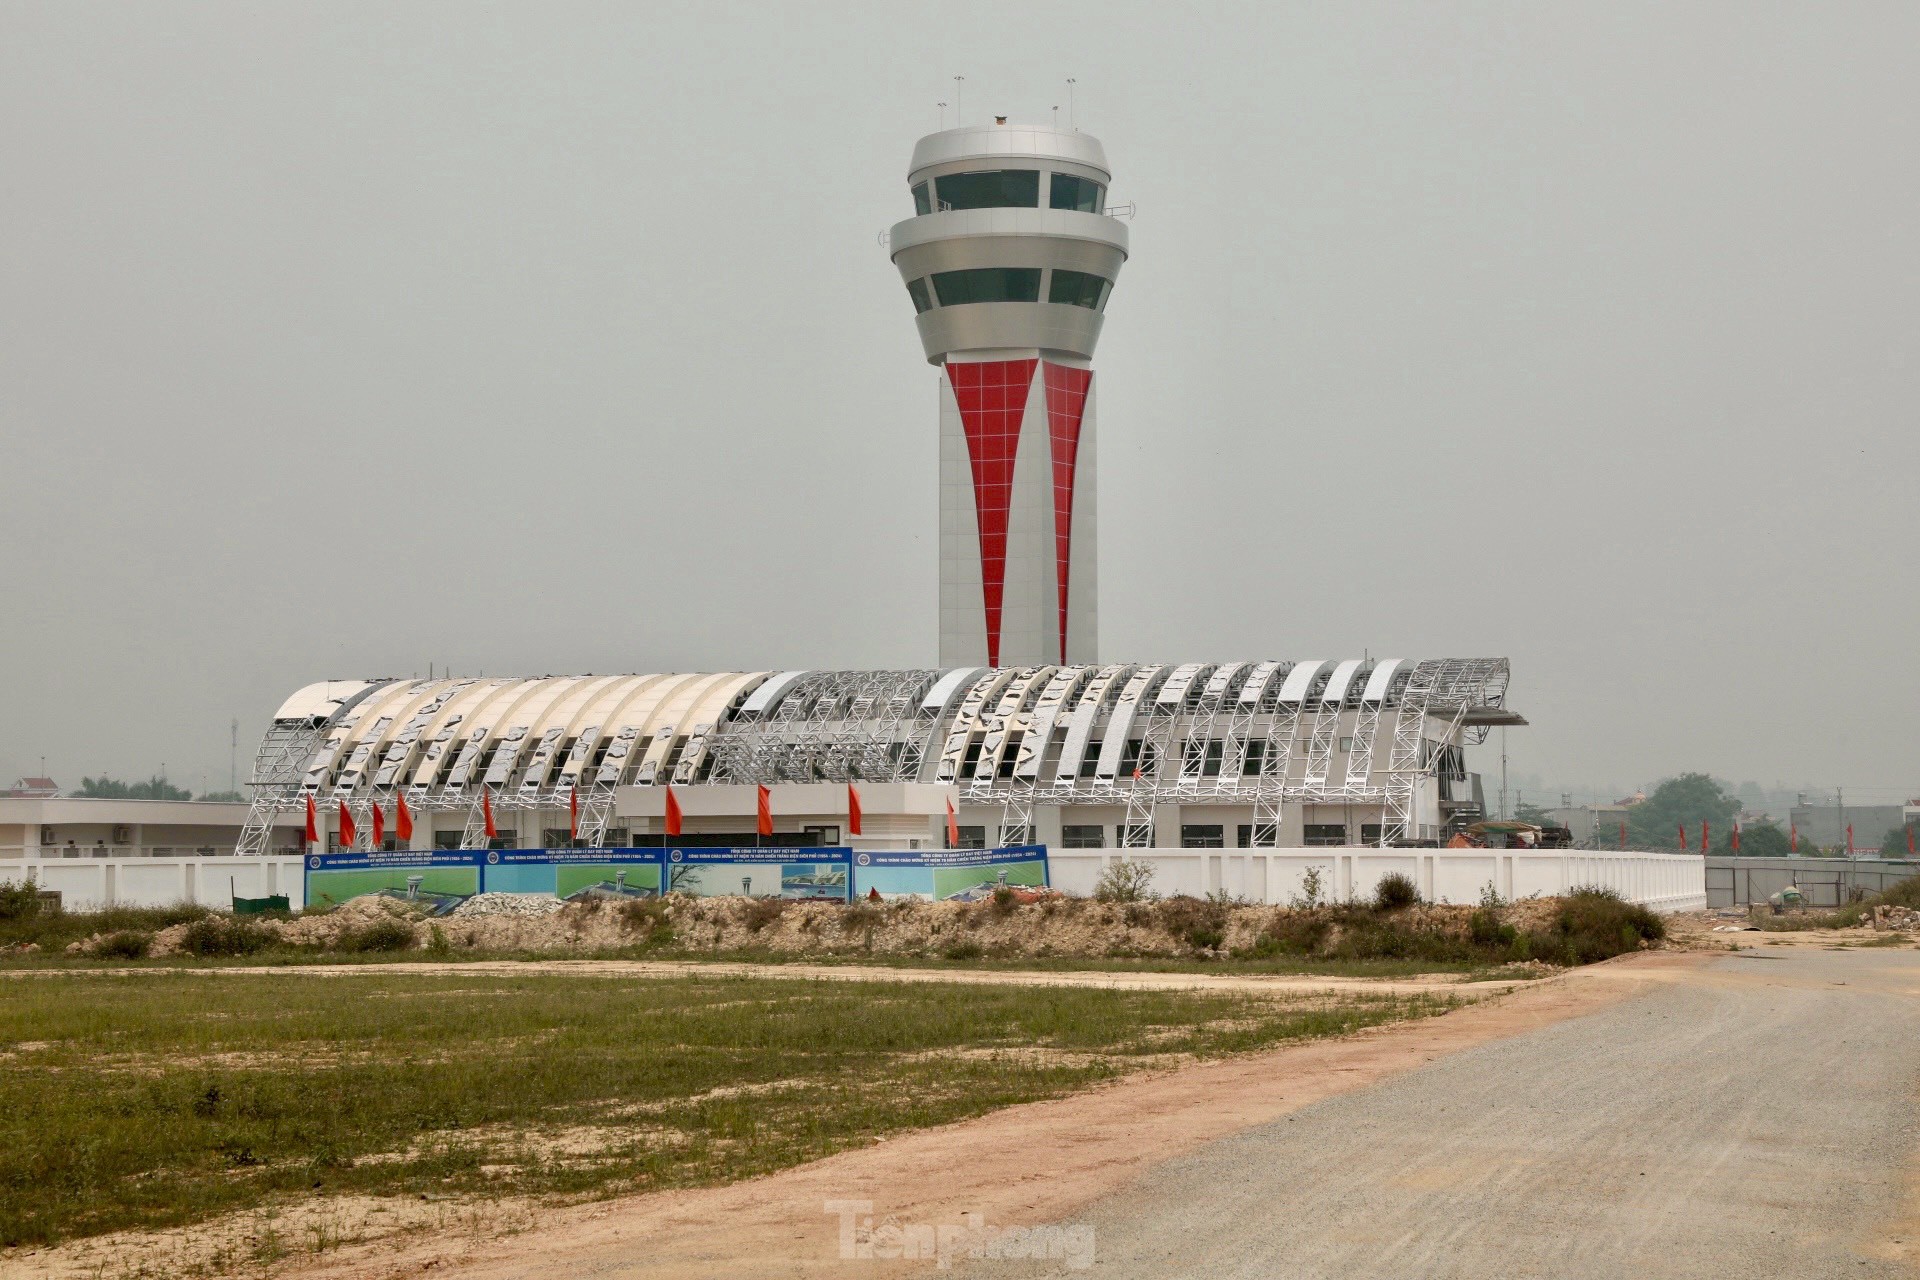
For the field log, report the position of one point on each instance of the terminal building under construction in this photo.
(1199, 755)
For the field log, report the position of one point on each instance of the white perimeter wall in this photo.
(1662, 881)
(86, 884)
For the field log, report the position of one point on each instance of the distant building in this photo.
(32, 788)
(1592, 825)
(1826, 825)
(50, 825)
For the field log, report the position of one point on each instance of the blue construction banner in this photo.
(437, 880)
(574, 874)
(797, 874)
(949, 875)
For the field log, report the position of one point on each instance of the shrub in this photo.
(1125, 881)
(1597, 924)
(437, 944)
(216, 935)
(1004, 901)
(378, 935)
(1395, 892)
(1906, 893)
(1200, 923)
(1312, 889)
(128, 944)
(758, 913)
(963, 949)
(19, 900)
(1487, 930)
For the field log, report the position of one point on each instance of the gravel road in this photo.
(1758, 1119)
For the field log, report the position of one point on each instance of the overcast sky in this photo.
(337, 339)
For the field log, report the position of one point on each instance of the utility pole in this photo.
(233, 758)
(1503, 773)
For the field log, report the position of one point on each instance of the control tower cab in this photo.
(1010, 259)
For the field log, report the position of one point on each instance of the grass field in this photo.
(173, 1098)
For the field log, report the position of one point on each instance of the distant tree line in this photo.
(154, 788)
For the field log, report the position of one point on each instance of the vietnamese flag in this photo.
(953, 826)
(673, 812)
(313, 822)
(573, 813)
(764, 802)
(1793, 839)
(1683, 837)
(1736, 835)
(853, 810)
(1909, 842)
(402, 818)
(379, 827)
(1623, 835)
(349, 836)
(486, 812)
(1849, 839)
(1705, 827)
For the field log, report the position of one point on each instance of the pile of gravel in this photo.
(509, 904)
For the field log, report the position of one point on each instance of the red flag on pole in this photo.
(486, 811)
(402, 818)
(349, 836)
(1705, 828)
(1736, 835)
(313, 822)
(573, 813)
(764, 817)
(953, 826)
(379, 827)
(1623, 835)
(1849, 839)
(673, 812)
(853, 810)
(1793, 837)
(1683, 837)
(1909, 842)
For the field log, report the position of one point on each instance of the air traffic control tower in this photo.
(1009, 260)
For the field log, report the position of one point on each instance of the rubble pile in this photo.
(1895, 919)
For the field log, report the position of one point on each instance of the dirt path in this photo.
(1027, 1164)
(1127, 980)
(1758, 1119)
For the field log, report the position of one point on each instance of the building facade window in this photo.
(1082, 837)
(1196, 836)
(1069, 192)
(1137, 836)
(917, 290)
(1079, 289)
(1370, 833)
(1320, 834)
(972, 838)
(922, 199)
(989, 189)
(987, 284)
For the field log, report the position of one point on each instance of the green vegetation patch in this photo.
(173, 1097)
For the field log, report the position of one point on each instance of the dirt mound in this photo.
(1000, 929)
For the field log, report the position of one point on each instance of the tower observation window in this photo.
(1081, 194)
(922, 201)
(991, 189)
(1079, 289)
(987, 284)
(917, 290)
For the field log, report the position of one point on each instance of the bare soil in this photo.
(1026, 1164)
(1051, 927)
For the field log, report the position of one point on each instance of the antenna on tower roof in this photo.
(1070, 120)
(943, 114)
(958, 117)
